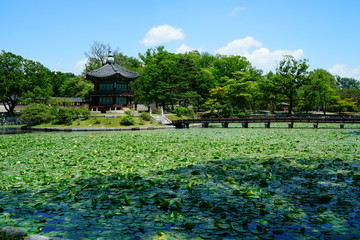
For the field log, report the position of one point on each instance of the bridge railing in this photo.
(267, 120)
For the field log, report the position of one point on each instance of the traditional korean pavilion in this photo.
(111, 87)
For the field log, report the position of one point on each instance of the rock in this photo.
(38, 237)
(12, 234)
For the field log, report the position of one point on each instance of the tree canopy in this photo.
(222, 85)
(20, 79)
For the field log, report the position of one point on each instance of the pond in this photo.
(214, 183)
(13, 130)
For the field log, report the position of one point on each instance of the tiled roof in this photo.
(109, 70)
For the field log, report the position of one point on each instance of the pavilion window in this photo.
(121, 87)
(120, 100)
(106, 86)
(106, 100)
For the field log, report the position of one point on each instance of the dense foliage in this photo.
(42, 113)
(128, 119)
(215, 183)
(22, 79)
(222, 85)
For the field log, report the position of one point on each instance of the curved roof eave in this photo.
(111, 69)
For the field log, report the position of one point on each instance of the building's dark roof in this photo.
(109, 70)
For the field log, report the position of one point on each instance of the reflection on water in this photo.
(12, 130)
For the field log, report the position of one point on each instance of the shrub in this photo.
(145, 116)
(37, 114)
(65, 115)
(156, 110)
(127, 120)
(83, 111)
(128, 113)
(183, 111)
(97, 121)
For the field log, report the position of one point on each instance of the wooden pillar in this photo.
(267, 124)
(342, 125)
(225, 125)
(291, 125)
(205, 125)
(187, 125)
(315, 124)
(245, 124)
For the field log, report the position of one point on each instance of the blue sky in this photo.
(58, 32)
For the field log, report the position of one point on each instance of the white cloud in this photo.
(185, 48)
(261, 58)
(162, 34)
(80, 65)
(239, 46)
(345, 71)
(266, 60)
(235, 11)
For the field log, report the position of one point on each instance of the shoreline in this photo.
(101, 129)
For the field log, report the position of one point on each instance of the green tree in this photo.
(218, 102)
(320, 92)
(38, 80)
(226, 66)
(348, 83)
(36, 114)
(155, 81)
(349, 92)
(290, 76)
(269, 95)
(244, 89)
(57, 79)
(21, 78)
(76, 87)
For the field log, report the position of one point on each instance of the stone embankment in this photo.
(8, 233)
(50, 129)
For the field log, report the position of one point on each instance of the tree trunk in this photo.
(10, 108)
(291, 103)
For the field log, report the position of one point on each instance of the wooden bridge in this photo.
(342, 120)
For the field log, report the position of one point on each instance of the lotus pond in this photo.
(211, 183)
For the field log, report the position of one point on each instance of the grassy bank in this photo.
(183, 184)
(101, 122)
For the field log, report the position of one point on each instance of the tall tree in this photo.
(269, 94)
(320, 92)
(349, 92)
(97, 55)
(226, 66)
(57, 79)
(154, 84)
(290, 76)
(244, 90)
(348, 83)
(21, 78)
(170, 79)
(99, 52)
(76, 87)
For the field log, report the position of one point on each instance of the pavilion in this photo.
(111, 87)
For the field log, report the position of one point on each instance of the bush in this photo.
(42, 113)
(65, 115)
(37, 114)
(183, 111)
(97, 121)
(344, 105)
(127, 120)
(156, 110)
(83, 111)
(145, 116)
